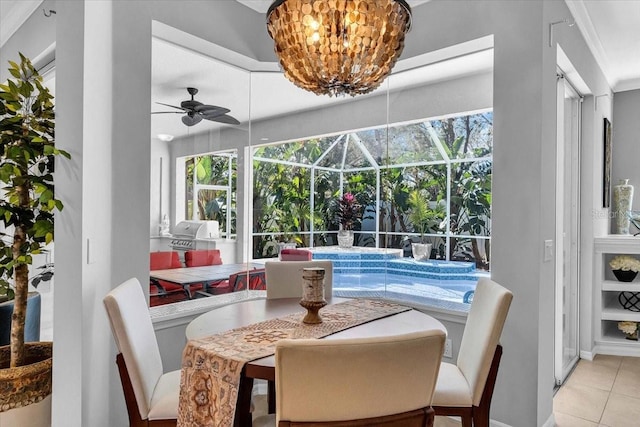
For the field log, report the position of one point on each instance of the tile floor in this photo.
(602, 393)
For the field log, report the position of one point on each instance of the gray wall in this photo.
(626, 142)
(32, 38)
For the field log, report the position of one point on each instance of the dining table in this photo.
(223, 326)
(207, 275)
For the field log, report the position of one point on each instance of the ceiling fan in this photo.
(194, 111)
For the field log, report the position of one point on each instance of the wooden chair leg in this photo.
(129, 396)
(480, 416)
(477, 416)
(271, 397)
(243, 407)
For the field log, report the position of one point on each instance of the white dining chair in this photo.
(464, 389)
(150, 394)
(375, 381)
(284, 278)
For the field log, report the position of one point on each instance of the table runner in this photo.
(212, 366)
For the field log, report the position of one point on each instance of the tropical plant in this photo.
(219, 170)
(27, 149)
(419, 213)
(347, 211)
(467, 137)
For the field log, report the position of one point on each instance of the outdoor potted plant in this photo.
(27, 207)
(420, 216)
(348, 212)
(625, 267)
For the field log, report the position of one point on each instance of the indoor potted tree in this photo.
(420, 216)
(27, 207)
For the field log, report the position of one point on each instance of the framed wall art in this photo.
(606, 175)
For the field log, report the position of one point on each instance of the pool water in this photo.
(385, 273)
(446, 294)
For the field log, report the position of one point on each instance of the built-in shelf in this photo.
(619, 314)
(608, 311)
(614, 285)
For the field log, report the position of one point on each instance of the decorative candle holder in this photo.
(313, 294)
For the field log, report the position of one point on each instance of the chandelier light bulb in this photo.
(335, 47)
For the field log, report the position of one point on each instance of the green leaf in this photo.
(15, 73)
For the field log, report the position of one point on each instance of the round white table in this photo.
(248, 312)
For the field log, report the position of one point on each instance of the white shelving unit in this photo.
(607, 309)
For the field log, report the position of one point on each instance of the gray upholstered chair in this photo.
(379, 381)
(284, 278)
(465, 389)
(151, 395)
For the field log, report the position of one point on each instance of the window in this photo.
(447, 160)
(211, 189)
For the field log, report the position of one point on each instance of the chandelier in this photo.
(338, 47)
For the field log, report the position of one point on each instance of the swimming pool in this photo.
(384, 273)
(445, 294)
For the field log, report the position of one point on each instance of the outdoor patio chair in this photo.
(201, 258)
(164, 260)
(250, 279)
(295, 255)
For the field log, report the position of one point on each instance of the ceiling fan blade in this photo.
(211, 110)
(167, 112)
(224, 118)
(191, 120)
(172, 106)
(210, 115)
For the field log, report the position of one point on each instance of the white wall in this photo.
(113, 54)
(162, 166)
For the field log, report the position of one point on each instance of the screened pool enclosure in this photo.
(441, 167)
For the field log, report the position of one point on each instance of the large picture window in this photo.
(445, 162)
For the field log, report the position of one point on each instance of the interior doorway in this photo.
(567, 228)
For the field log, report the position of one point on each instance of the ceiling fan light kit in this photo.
(335, 47)
(194, 111)
(165, 137)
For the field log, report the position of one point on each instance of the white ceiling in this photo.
(610, 28)
(612, 31)
(263, 5)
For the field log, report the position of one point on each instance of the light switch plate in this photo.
(548, 250)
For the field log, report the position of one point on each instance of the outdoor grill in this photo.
(194, 235)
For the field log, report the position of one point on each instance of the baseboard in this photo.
(586, 355)
(614, 349)
(551, 421)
